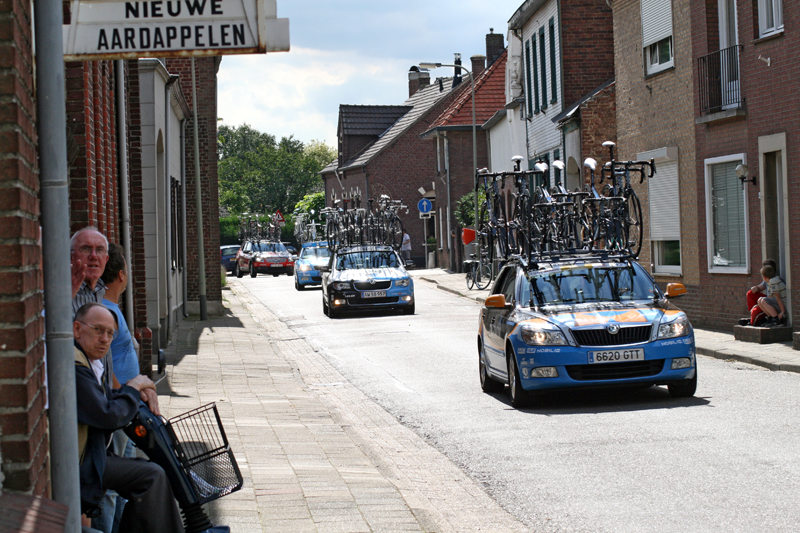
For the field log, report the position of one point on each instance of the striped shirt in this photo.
(86, 295)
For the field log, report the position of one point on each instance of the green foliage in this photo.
(259, 175)
(311, 202)
(224, 274)
(465, 208)
(228, 230)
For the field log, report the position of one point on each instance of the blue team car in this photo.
(368, 277)
(581, 324)
(306, 268)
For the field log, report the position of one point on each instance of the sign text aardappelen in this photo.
(114, 29)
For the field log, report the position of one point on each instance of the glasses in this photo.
(87, 250)
(99, 330)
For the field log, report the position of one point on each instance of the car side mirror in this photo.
(675, 289)
(496, 301)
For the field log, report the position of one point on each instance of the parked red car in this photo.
(265, 257)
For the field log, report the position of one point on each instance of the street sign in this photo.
(424, 206)
(118, 29)
(279, 219)
(424, 215)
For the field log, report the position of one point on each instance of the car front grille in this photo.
(601, 336)
(372, 301)
(377, 286)
(603, 371)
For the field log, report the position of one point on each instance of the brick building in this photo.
(654, 84)
(745, 113)
(560, 70)
(381, 152)
(94, 199)
(452, 133)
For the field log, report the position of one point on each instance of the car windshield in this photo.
(230, 250)
(587, 283)
(268, 247)
(371, 259)
(310, 253)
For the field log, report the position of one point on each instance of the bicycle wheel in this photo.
(470, 278)
(484, 273)
(634, 224)
(395, 237)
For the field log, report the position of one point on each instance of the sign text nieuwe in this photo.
(118, 29)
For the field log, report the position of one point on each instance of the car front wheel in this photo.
(683, 389)
(237, 270)
(519, 396)
(253, 272)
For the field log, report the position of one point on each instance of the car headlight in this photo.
(541, 337)
(305, 268)
(341, 286)
(677, 328)
(402, 282)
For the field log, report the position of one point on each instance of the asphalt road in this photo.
(727, 460)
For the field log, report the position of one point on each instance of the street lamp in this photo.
(431, 66)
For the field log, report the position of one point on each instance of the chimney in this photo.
(417, 80)
(457, 71)
(478, 65)
(495, 45)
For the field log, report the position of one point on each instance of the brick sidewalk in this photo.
(316, 454)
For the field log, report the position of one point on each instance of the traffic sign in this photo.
(424, 206)
(279, 218)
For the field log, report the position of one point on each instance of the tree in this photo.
(259, 175)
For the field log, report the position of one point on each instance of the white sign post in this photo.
(119, 29)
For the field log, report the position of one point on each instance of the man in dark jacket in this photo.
(151, 506)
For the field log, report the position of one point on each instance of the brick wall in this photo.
(655, 112)
(587, 47)
(23, 424)
(207, 128)
(93, 172)
(771, 107)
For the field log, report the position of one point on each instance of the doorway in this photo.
(729, 56)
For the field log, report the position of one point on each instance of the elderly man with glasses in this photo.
(101, 410)
(89, 254)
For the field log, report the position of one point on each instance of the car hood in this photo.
(600, 314)
(364, 274)
(316, 262)
(273, 254)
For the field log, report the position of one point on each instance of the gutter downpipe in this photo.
(201, 256)
(124, 199)
(168, 201)
(54, 181)
(183, 214)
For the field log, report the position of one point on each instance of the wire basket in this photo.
(204, 453)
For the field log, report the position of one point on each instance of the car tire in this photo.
(409, 309)
(488, 383)
(297, 286)
(237, 271)
(519, 396)
(253, 272)
(325, 310)
(275, 275)
(683, 389)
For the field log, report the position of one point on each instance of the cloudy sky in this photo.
(350, 52)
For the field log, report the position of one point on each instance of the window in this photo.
(726, 216)
(544, 68)
(553, 88)
(657, 35)
(528, 78)
(770, 17)
(665, 211)
(535, 69)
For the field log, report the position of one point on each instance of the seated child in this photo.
(756, 292)
(773, 305)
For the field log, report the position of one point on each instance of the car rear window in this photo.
(230, 250)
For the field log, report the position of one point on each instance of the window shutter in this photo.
(727, 203)
(665, 213)
(656, 21)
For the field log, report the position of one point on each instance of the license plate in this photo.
(276, 265)
(616, 356)
(373, 294)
